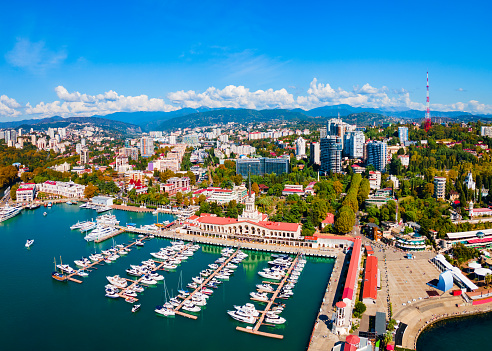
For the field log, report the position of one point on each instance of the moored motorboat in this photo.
(245, 318)
(135, 308)
(29, 242)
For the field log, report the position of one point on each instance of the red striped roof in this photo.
(370, 290)
(348, 290)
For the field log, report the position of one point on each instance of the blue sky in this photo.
(84, 58)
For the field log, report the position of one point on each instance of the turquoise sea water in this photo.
(463, 334)
(39, 313)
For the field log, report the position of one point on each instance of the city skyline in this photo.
(67, 61)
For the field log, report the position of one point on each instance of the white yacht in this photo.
(78, 225)
(117, 281)
(165, 311)
(65, 268)
(248, 308)
(8, 212)
(100, 232)
(146, 280)
(259, 296)
(107, 219)
(88, 226)
(29, 242)
(190, 307)
(242, 317)
(265, 287)
(273, 318)
(103, 209)
(271, 276)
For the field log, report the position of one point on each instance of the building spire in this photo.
(249, 179)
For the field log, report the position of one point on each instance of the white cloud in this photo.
(34, 56)
(8, 107)
(77, 104)
(317, 95)
(233, 97)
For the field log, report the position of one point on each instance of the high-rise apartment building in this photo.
(300, 147)
(377, 154)
(486, 131)
(146, 146)
(84, 156)
(331, 154)
(314, 153)
(354, 144)
(403, 134)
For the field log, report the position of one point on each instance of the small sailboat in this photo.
(166, 309)
(29, 242)
(45, 213)
(58, 276)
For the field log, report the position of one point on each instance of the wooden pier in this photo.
(158, 267)
(254, 330)
(93, 264)
(109, 236)
(203, 284)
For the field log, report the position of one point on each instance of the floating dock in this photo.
(158, 267)
(203, 284)
(254, 330)
(69, 276)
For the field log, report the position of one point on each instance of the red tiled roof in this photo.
(290, 227)
(482, 209)
(216, 220)
(348, 290)
(370, 290)
(333, 237)
(281, 226)
(330, 219)
(290, 190)
(341, 304)
(479, 241)
(353, 339)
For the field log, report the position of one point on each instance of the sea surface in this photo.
(39, 313)
(462, 334)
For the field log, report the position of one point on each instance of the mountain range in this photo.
(136, 122)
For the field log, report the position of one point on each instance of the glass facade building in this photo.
(262, 165)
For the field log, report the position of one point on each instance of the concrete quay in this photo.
(169, 234)
(322, 338)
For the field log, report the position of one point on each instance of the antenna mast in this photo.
(427, 122)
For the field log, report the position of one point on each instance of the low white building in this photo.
(26, 192)
(102, 200)
(65, 189)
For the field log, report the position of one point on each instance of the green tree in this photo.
(179, 197)
(255, 188)
(359, 309)
(90, 191)
(13, 191)
(345, 220)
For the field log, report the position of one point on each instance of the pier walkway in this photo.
(286, 249)
(255, 329)
(158, 267)
(203, 284)
(93, 264)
